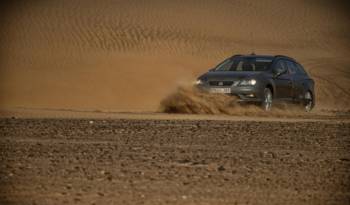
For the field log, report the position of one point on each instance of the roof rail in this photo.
(237, 55)
(283, 56)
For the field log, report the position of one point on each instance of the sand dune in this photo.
(129, 55)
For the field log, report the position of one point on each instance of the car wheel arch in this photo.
(308, 88)
(271, 87)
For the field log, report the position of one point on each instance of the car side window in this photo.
(291, 67)
(225, 66)
(279, 67)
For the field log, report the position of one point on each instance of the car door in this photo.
(296, 80)
(283, 82)
(294, 77)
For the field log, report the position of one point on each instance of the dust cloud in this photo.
(191, 100)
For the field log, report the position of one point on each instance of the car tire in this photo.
(308, 103)
(267, 101)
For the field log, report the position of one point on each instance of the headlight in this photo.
(247, 82)
(198, 82)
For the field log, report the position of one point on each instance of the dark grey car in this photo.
(261, 78)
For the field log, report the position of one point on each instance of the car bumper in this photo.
(244, 93)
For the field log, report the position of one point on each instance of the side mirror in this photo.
(212, 70)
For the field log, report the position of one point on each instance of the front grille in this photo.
(220, 83)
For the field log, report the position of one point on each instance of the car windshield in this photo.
(251, 64)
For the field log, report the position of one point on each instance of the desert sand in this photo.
(129, 55)
(133, 161)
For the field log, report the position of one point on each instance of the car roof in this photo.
(263, 56)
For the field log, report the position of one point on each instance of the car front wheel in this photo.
(267, 101)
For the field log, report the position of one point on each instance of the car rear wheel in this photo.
(267, 103)
(308, 101)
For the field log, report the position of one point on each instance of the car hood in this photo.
(227, 75)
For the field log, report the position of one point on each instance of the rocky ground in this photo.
(82, 161)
